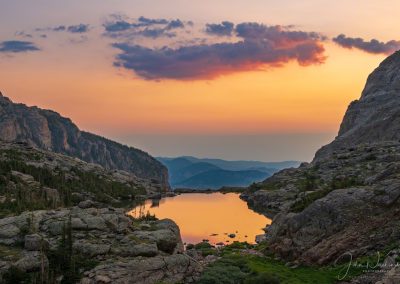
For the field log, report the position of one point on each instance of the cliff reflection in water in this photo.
(208, 216)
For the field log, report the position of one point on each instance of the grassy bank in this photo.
(236, 266)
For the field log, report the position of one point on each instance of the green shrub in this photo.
(262, 278)
(306, 200)
(205, 248)
(15, 275)
(239, 245)
(346, 182)
(190, 246)
(226, 271)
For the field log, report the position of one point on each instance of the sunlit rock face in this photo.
(375, 117)
(346, 200)
(48, 130)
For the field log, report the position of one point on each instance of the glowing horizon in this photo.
(73, 72)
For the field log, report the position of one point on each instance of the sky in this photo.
(252, 80)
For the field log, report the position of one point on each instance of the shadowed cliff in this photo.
(48, 130)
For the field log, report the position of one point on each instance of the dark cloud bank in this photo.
(259, 46)
(223, 29)
(372, 46)
(15, 46)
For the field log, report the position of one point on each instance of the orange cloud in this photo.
(260, 46)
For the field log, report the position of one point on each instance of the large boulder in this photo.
(125, 250)
(175, 268)
(35, 242)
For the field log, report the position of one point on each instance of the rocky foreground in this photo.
(95, 245)
(346, 201)
(58, 225)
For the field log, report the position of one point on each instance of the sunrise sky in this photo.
(257, 79)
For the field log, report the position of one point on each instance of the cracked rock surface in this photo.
(126, 250)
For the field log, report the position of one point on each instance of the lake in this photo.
(208, 216)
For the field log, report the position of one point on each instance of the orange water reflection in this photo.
(209, 216)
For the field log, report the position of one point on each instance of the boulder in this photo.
(90, 249)
(32, 261)
(95, 223)
(35, 242)
(125, 253)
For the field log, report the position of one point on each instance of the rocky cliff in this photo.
(375, 117)
(48, 130)
(346, 201)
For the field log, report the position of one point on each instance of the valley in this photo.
(78, 208)
(194, 173)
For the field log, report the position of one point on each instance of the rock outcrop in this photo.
(48, 130)
(32, 178)
(106, 245)
(375, 117)
(347, 199)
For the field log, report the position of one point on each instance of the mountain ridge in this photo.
(345, 202)
(215, 179)
(278, 165)
(206, 173)
(47, 129)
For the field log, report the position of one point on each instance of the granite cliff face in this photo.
(347, 199)
(48, 130)
(375, 117)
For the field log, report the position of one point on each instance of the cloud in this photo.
(59, 28)
(260, 46)
(15, 46)
(120, 23)
(372, 46)
(81, 28)
(146, 27)
(23, 34)
(277, 34)
(77, 29)
(149, 22)
(223, 29)
(175, 24)
(117, 26)
(155, 33)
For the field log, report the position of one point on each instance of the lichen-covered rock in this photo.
(126, 250)
(35, 242)
(32, 261)
(175, 268)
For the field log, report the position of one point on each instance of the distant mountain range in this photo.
(196, 173)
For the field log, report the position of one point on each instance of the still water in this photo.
(208, 216)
